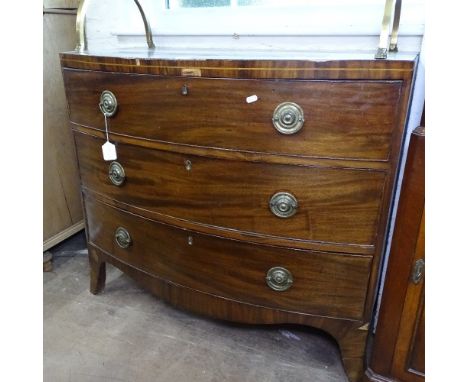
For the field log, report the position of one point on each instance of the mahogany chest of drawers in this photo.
(255, 191)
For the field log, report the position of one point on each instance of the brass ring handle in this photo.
(288, 118)
(108, 103)
(122, 238)
(116, 173)
(82, 43)
(279, 279)
(283, 204)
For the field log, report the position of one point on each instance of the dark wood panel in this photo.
(343, 119)
(409, 358)
(398, 352)
(324, 283)
(249, 156)
(335, 205)
(250, 237)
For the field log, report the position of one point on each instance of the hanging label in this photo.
(108, 151)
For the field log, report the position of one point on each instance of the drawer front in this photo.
(342, 119)
(333, 205)
(322, 283)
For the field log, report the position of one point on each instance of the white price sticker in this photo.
(251, 99)
(108, 151)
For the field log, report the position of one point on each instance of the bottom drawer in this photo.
(317, 283)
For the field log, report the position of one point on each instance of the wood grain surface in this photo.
(245, 68)
(398, 348)
(343, 119)
(324, 283)
(334, 205)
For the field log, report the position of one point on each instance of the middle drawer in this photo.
(288, 201)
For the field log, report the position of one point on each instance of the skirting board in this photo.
(61, 236)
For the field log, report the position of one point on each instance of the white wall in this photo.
(324, 25)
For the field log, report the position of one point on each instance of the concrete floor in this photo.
(126, 334)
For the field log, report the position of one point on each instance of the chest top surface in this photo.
(253, 64)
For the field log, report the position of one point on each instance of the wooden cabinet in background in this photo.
(62, 209)
(398, 348)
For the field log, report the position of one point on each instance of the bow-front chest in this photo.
(250, 190)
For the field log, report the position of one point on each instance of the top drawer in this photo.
(342, 119)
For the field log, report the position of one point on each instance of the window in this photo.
(303, 25)
(175, 4)
(278, 17)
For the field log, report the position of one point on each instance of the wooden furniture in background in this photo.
(398, 346)
(62, 209)
(190, 206)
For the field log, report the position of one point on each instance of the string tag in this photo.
(109, 151)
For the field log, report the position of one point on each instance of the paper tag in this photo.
(251, 99)
(191, 72)
(108, 151)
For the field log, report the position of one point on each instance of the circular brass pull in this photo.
(108, 103)
(283, 204)
(122, 238)
(279, 279)
(288, 118)
(116, 173)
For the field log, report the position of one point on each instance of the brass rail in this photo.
(82, 43)
(388, 38)
(392, 14)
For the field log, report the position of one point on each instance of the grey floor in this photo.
(125, 334)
